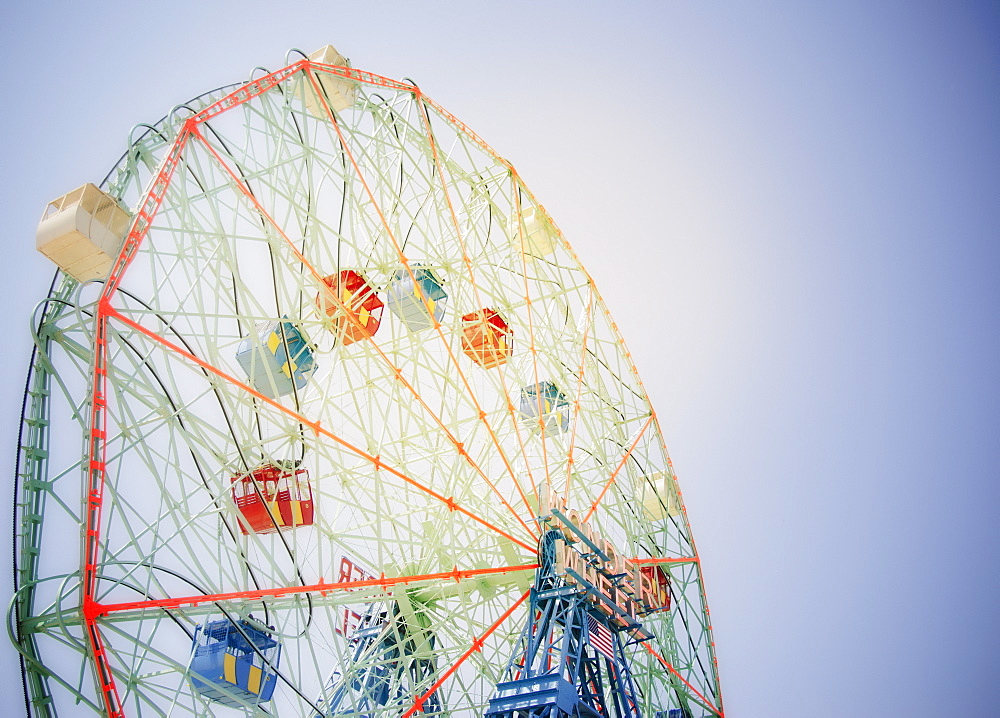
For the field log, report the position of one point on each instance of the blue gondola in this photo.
(416, 297)
(544, 401)
(277, 359)
(234, 663)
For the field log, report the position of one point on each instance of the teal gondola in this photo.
(416, 296)
(277, 359)
(542, 404)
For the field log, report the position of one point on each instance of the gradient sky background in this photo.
(792, 210)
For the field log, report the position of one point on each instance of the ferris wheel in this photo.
(326, 418)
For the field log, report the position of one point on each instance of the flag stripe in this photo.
(600, 638)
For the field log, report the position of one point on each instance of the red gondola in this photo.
(362, 309)
(661, 586)
(272, 498)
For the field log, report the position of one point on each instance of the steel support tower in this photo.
(570, 660)
(390, 661)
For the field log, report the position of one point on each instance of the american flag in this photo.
(600, 638)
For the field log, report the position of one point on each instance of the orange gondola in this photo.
(486, 338)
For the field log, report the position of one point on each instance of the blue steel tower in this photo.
(389, 662)
(570, 660)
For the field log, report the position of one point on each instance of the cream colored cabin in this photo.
(82, 232)
(538, 239)
(658, 496)
(339, 90)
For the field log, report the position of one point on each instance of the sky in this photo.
(791, 209)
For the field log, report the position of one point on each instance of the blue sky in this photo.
(792, 211)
